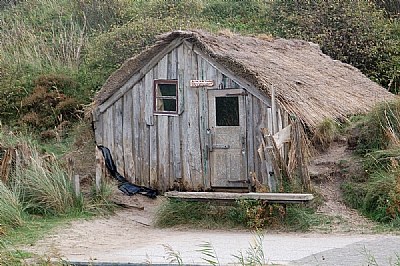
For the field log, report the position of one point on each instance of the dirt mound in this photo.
(328, 171)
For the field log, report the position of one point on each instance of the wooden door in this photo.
(227, 138)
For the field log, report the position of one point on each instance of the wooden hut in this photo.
(187, 113)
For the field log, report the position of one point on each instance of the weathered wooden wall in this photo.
(169, 151)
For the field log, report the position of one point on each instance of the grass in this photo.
(197, 214)
(375, 190)
(325, 133)
(46, 188)
(251, 214)
(38, 197)
(11, 208)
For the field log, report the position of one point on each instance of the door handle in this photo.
(220, 146)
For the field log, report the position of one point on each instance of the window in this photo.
(166, 96)
(227, 111)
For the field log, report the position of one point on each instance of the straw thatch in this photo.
(308, 84)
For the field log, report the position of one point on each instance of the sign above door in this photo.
(201, 83)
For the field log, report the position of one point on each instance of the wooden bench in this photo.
(227, 196)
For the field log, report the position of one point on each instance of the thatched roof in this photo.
(308, 83)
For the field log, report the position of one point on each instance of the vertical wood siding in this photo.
(169, 151)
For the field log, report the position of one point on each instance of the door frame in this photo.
(241, 93)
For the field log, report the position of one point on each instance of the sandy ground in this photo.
(129, 235)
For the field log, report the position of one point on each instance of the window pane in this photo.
(166, 96)
(166, 90)
(227, 111)
(167, 105)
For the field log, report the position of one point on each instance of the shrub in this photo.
(48, 107)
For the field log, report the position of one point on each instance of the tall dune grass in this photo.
(46, 187)
(11, 208)
(41, 35)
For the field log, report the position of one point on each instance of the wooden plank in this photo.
(274, 112)
(100, 168)
(136, 77)
(127, 133)
(98, 127)
(250, 139)
(153, 154)
(181, 80)
(185, 78)
(172, 71)
(175, 172)
(269, 197)
(118, 137)
(77, 185)
(110, 129)
(163, 152)
(136, 131)
(204, 137)
(176, 158)
(192, 132)
(145, 135)
(162, 68)
(148, 92)
(282, 136)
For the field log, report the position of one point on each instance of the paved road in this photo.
(282, 249)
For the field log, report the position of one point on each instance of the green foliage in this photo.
(198, 214)
(46, 188)
(355, 32)
(379, 129)
(252, 214)
(98, 15)
(378, 197)
(240, 16)
(11, 207)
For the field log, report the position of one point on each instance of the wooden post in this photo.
(274, 113)
(70, 169)
(77, 185)
(100, 168)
